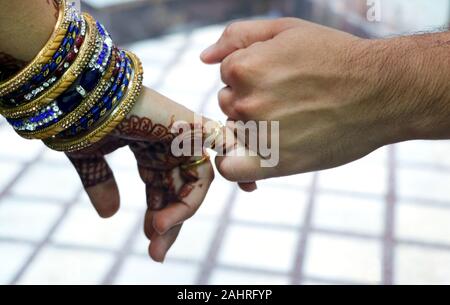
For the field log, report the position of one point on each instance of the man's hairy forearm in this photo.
(415, 72)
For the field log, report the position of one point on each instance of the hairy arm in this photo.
(336, 96)
(415, 74)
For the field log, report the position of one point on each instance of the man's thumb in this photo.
(241, 169)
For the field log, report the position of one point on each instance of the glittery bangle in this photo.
(72, 97)
(103, 128)
(75, 102)
(66, 15)
(58, 110)
(104, 105)
(84, 55)
(50, 72)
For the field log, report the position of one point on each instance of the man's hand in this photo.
(337, 97)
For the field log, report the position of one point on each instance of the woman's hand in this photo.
(174, 191)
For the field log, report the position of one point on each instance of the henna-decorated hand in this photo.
(174, 192)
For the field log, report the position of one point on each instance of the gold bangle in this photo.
(64, 19)
(76, 114)
(196, 163)
(116, 117)
(85, 53)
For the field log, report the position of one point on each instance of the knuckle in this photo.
(224, 106)
(231, 29)
(223, 94)
(243, 109)
(161, 224)
(236, 67)
(239, 69)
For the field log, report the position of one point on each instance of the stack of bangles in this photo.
(77, 89)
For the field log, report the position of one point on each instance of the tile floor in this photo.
(382, 220)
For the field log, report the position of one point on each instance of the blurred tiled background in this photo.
(382, 220)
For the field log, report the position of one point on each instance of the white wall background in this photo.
(415, 15)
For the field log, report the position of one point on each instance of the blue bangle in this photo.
(70, 99)
(105, 103)
(35, 86)
(40, 82)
